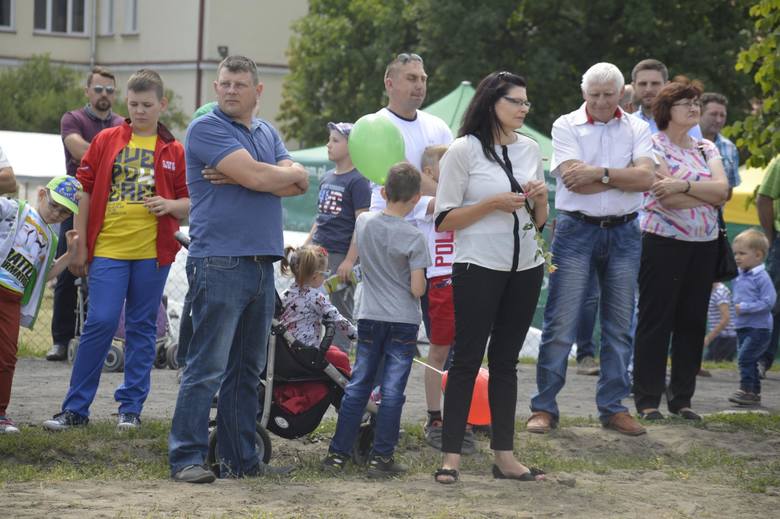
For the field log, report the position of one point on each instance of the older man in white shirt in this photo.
(602, 161)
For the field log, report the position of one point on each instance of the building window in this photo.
(7, 15)
(60, 16)
(131, 16)
(106, 13)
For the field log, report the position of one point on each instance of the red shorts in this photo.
(441, 311)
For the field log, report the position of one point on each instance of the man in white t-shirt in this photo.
(7, 178)
(603, 161)
(406, 86)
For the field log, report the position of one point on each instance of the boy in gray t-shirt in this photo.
(393, 254)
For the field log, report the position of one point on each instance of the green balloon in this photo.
(204, 109)
(375, 145)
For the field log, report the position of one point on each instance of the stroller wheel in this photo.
(160, 357)
(364, 442)
(262, 447)
(115, 360)
(73, 346)
(170, 353)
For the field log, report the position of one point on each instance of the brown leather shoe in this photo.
(624, 423)
(540, 422)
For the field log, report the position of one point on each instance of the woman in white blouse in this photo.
(493, 195)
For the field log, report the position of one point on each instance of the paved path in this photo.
(39, 387)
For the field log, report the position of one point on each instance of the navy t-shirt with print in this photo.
(340, 196)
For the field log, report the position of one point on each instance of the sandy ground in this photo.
(40, 386)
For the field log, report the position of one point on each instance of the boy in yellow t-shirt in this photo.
(135, 195)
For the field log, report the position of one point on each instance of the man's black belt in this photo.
(604, 222)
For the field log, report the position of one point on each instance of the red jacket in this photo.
(170, 182)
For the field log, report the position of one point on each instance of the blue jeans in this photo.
(395, 344)
(232, 308)
(578, 249)
(752, 345)
(586, 321)
(112, 281)
(185, 323)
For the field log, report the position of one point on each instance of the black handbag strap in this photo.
(721, 221)
(514, 185)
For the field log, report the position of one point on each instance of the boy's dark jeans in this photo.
(752, 344)
(395, 344)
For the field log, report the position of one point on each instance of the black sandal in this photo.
(452, 473)
(527, 476)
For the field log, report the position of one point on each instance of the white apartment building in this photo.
(184, 40)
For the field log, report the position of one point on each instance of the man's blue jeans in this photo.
(111, 281)
(232, 308)
(395, 344)
(586, 322)
(579, 248)
(752, 345)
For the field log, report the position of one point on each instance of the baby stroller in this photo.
(115, 359)
(294, 371)
(300, 384)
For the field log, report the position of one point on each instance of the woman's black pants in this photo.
(675, 281)
(500, 306)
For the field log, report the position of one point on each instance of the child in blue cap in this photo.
(27, 248)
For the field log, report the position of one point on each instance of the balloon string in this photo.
(418, 361)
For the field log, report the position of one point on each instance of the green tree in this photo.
(759, 132)
(337, 58)
(553, 43)
(340, 48)
(33, 97)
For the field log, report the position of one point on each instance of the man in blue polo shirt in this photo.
(236, 235)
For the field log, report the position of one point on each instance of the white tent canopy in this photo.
(35, 158)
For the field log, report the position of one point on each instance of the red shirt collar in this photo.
(591, 120)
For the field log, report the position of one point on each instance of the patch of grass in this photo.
(758, 423)
(94, 452)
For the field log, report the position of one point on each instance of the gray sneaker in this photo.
(469, 445)
(588, 366)
(433, 434)
(745, 398)
(65, 420)
(128, 421)
(381, 467)
(194, 474)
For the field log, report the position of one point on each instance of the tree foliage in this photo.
(760, 131)
(339, 50)
(34, 96)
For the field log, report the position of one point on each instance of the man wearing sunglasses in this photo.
(78, 128)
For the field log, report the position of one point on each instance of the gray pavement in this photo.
(39, 387)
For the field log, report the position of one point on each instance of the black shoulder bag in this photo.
(725, 266)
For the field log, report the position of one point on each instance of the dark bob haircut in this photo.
(480, 118)
(670, 94)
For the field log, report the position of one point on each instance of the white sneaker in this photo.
(7, 426)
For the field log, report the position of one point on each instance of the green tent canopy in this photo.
(299, 211)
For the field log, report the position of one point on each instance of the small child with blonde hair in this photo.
(754, 297)
(305, 306)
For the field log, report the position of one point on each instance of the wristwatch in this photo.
(605, 176)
